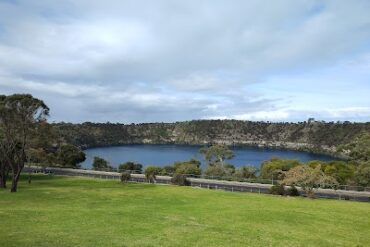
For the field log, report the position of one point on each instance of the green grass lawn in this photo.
(63, 211)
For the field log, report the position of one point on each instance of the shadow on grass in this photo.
(76, 181)
(38, 177)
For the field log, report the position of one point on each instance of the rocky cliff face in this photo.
(310, 136)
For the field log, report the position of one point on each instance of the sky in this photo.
(167, 60)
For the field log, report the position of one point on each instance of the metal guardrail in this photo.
(233, 186)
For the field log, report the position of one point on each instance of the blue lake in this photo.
(162, 155)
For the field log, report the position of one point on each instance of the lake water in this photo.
(162, 155)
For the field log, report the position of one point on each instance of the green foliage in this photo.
(219, 171)
(359, 148)
(20, 114)
(316, 134)
(125, 177)
(180, 179)
(342, 171)
(308, 178)
(277, 190)
(362, 174)
(131, 166)
(190, 167)
(276, 167)
(70, 156)
(216, 154)
(245, 172)
(101, 164)
(292, 191)
(151, 173)
(168, 170)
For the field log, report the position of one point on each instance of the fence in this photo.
(233, 186)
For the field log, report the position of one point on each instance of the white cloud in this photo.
(332, 114)
(187, 59)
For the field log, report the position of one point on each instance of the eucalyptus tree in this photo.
(19, 116)
(217, 154)
(308, 178)
(4, 166)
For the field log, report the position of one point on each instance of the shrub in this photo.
(292, 191)
(245, 172)
(188, 167)
(125, 177)
(307, 178)
(215, 171)
(101, 164)
(362, 174)
(168, 170)
(277, 190)
(179, 179)
(151, 172)
(275, 167)
(131, 166)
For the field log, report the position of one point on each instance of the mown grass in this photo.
(65, 211)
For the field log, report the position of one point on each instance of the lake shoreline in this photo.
(167, 154)
(301, 147)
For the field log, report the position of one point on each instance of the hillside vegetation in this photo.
(64, 211)
(310, 136)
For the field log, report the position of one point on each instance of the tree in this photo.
(308, 178)
(101, 164)
(362, 174)
(180, 179)
(4, 168)
(359, 148)
(245, 172)
(44, 145)
(219, 171)
(151, 173)
(131, 166)
(125, 176)
(342, 171)
(216, 154)
(70, 156)
(19, 116)
(189, 167)
(168, 170)
(275, 168)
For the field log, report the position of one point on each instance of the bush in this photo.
(215, 171)
(189, 167)
(168, 170)
(101, 164)
(245, 172)
(179, 179)
(125, 177)
(131, 166)
(277, 190)
(151, 172)
(275, 167)
(292, 191)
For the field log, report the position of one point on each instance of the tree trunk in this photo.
(2, 182)
(3, 176)
(15, 180)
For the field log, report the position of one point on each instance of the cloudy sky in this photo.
(164, 61)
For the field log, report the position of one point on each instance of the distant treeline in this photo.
(315, 136)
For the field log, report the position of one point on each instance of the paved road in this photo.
(203, 183)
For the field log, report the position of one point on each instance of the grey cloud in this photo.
(154, 60)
